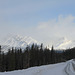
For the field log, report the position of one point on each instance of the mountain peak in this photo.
(64, 43)
(18, 41)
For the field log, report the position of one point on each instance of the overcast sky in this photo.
(43, 20)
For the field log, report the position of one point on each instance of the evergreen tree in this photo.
(3, 62)
(52, 55)
(0, 60)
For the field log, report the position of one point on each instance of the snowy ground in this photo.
(65, 68)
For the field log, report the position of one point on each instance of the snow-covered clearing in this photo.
(64, 68)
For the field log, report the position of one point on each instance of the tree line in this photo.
(16, 59)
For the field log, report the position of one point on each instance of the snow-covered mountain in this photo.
(17, 41)
(64, 68)
(64, 43)
(22, 41)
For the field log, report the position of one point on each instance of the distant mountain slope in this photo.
(22, 41)
(64, 43)
(17, 41)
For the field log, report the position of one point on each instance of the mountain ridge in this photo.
(17, 41)
(22, 42)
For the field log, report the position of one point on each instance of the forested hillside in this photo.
(34, 55)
